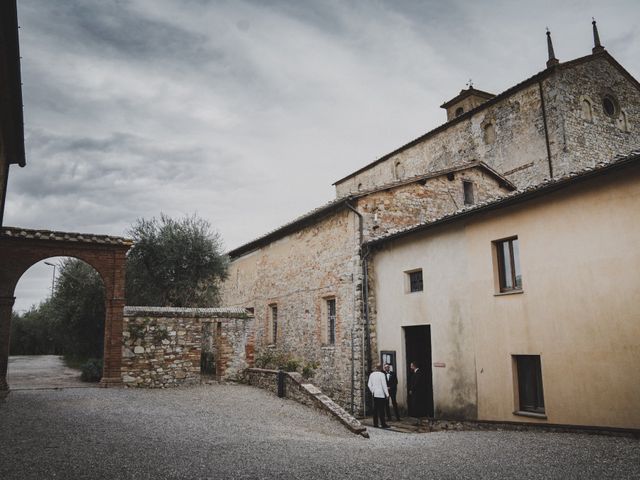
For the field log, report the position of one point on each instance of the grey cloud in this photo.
(247, 111)
(113, 28)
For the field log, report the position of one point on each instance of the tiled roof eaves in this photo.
(516, 197)
(290, 227)
(525, 83)
(56, 236)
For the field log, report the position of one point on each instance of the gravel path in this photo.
(236, 431)
(41, 371)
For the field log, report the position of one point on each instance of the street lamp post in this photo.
(53, 278)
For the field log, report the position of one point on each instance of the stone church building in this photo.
(395, 266)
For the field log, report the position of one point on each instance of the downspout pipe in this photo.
(546, 129)
(366, 354)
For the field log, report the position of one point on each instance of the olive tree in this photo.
(176, 263)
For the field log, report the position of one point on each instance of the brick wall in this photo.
(22, 248)
(162, 347)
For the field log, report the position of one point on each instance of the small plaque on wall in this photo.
(439, 364)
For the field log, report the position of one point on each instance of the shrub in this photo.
(275, 360)
(92, 370)
(309, 369)
(291, 365)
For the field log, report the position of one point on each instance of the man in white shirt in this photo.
(378, 386)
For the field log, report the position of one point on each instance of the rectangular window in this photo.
(331, 321)
(508, 253)
(274, 323)
(530, 393)
(415, 281)
(468, 192)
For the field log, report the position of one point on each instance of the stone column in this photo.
(6, 306)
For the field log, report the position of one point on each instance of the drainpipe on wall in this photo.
(546, 130)
(366, 343)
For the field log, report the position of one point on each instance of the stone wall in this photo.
(518, 151)
(162, 347)
(421, 201)
(581, 141)
(297, 274)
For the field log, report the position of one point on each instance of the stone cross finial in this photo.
(597, 46)
(552, 56)
(470, 84)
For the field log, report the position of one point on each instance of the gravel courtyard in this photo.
(237, 431)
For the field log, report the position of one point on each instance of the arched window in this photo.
(489, 133)
(586, 110)
(459, 111)
(623, 122)
(398, 170)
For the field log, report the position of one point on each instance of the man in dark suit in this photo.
(392, 385)
(417, 393)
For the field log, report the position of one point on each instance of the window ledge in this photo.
(328, 347)
(510, 292)
(521, 413)
(271, 345)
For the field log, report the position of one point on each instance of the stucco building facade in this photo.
(574, 309)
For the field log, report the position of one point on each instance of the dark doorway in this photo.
(418, 348)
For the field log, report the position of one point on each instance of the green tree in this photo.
(77, 308)
(176, 263)
(33, 332)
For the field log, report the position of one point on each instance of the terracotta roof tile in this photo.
(51, 235)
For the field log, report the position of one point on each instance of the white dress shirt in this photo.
(378, 385)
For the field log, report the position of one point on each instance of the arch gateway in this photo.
(20, 248)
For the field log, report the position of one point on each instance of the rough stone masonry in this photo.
(162, 347)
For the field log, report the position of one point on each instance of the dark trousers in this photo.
(392, 396)
(378, 411)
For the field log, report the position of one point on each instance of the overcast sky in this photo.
(245, 112)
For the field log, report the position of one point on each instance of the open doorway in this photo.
(418, 349)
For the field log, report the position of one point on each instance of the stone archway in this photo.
(21, 248)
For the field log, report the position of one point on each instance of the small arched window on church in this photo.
(398, 170)
(586, 110)
(459, 111)
(359, 187)
(623, 122)
(489, 133)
